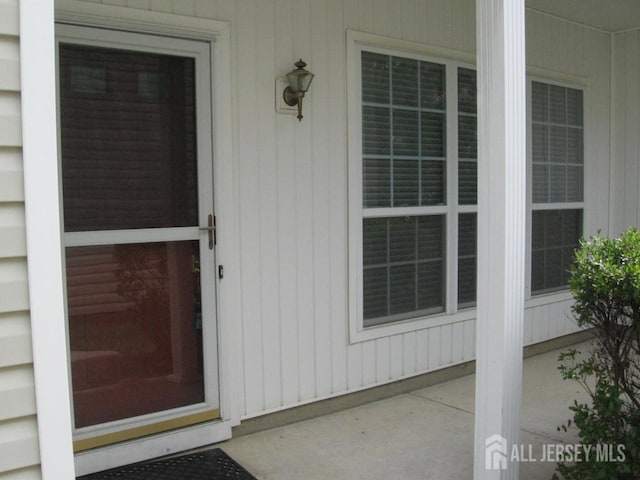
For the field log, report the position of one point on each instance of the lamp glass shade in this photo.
(299, 79)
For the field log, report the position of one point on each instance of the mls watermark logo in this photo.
(495, 453)
(498, 455)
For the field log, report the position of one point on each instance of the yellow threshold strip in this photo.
(159, 427)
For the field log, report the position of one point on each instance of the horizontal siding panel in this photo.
(14, 296)
(12, 242)
(17, 393)
(10, 76)
(29, 473)
(11, 186)
(15, 339)
(9, 20)
(10, 159)
(10, 130)
(19, 444)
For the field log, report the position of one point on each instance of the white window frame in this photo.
(567, 81)
(452, 60)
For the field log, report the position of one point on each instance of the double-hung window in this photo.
(415, 174)
(557, 179)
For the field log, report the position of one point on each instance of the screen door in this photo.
(136, 169)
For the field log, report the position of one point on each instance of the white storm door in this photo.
(137, 182)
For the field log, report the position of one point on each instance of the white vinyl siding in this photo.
(18, 428)
(625, 200)
(557, 183)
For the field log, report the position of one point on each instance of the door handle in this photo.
(211, 229)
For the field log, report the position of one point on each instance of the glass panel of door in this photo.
(129, 165)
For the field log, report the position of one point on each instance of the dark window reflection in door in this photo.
(128, 134)
(129, 161)
(135, 329)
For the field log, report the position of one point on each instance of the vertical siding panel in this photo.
(435, 348)
(351, 14)
(457, 343)
(469, 339)
(354, 364)
(540, 45)
(139, 4)
(318, 117)
(422, 350)
(527, 327)
(556, 319)
(535, 325)
(250, 210)
(570, 324)
(301, 132)
(631, 132)
(545, 321)
(336, 161)
(382, 363)
(369, 362)
(268, 188)
(117, 3)
(446, 347)
(635, 159)
(387, 18)
(226, 10)
(165, 6)
(439, 22)
(409, 353)
(557, 56)
(396, 356)
(598, 141)
(463, 25)
(575, 48)
(287, 219)
(365, 11)
(410, 28)
(184, 7)
(616, 194)
(206, 9)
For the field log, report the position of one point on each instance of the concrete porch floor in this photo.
(423, 435)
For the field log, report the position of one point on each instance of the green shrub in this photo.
(605, 282)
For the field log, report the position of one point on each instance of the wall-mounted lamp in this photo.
(299, 81)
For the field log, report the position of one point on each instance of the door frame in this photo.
(42, 206)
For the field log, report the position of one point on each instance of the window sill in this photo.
(409, 325)
(548, 298)
(423, 323)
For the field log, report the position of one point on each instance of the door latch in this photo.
(211, 229)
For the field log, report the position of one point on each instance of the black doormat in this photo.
(208, 465)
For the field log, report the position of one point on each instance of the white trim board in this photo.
(44, 249)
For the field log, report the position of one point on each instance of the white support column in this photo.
(500, 47)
